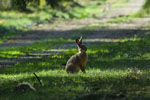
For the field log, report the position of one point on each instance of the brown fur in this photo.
(77, 61)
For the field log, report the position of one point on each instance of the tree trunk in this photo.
(42, 3)
(6, 4)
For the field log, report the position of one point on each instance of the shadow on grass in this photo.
(7, 32)
(87, 33)
(55, 87)
(32, 36)
(3, 30)
(123, 64)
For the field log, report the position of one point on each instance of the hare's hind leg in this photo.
(70, 69)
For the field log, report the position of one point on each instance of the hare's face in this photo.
(82, 48)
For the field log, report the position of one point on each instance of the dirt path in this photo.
(68, 29)
(113, 10)
(63, 28)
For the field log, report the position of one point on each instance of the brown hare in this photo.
(77, 61)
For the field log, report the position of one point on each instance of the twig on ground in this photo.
(38, 79)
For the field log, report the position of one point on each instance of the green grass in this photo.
(113, 69)
(118, 70)
(44, 45)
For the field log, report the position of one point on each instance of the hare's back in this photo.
(74, 60)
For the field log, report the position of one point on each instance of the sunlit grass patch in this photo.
(9, 54)
(40, 46)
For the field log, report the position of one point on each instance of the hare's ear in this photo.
(80, 40)
(77, 42)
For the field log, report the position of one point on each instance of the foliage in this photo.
(5, 4)
(145, 11)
